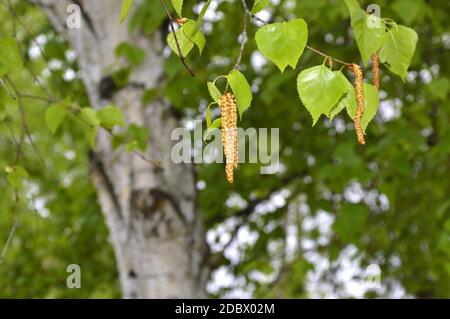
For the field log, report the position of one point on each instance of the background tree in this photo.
(292, 234)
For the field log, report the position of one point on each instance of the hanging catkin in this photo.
(229, 134)
(376, 71)
(360, 99)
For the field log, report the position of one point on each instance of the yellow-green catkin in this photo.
(360, 99)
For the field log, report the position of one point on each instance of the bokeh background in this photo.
(311, 230)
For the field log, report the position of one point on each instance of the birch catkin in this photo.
(376, 71)
(229, 134)
(360, 99)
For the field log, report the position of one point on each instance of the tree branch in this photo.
(255, 202)
(284, 182)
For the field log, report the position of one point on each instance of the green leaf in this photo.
(118, 139)
(371, 99)
(351, 222)
(371, 103)
(188, 35)
(10, 58)
(139, 135)
(121, 77)
(110, 116)
(353, 6)
(408, 10)
(89, 117)
(439, 88)
(208, 114)
(241, 90)
(125, 10)
(398, 49)
(15, 175)
(369, 38)
(55, 114)
(149, 96)
(178, 6)
(203, 11)
(192, 31)
(133, 54)
(131, 146)
(320, 89)
(283, 43)
(186, 45)
(214, 92)
(259, 5)
(11, 107)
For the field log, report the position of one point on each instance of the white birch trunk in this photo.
(155, 227)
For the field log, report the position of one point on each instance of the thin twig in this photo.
(327, 56)
(172, 28)
(142, 156)
(37, 97)
(13, 229)
(50, 100)
(243, 214)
